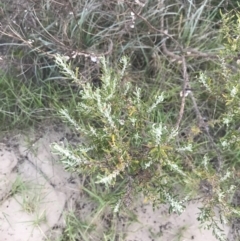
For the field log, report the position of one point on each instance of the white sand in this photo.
(38, 211)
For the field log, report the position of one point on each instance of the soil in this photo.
(37, 211)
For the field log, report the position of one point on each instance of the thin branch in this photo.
(201, 122)
(183, 92)
(173, 56)
(149, 24)
(189, 52)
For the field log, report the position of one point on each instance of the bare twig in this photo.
(184, 88)
(168, 53)
(149, 24)
(201, 122)
(195, 53)
(189, 52)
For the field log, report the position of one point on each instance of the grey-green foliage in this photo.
(123, 137)
(128, 130)
(129, 137)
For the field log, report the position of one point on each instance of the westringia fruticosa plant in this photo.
(123, 138)
(129, 138)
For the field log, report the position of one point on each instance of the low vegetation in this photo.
(152, 88)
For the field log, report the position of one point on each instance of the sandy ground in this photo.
(36, 193)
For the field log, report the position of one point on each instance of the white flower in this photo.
(139, 3)
(30, 41)
(228, 119)
(224, 143)
(116, 208)
(94, 59)
(148, 164)
(234, 92)
(133, 20)
(121, 122)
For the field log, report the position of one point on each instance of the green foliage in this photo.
(126, 136)
(129, 136)
(128, 119)
(25, 102)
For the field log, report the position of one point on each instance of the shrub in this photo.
(128, 136)
(136, 128)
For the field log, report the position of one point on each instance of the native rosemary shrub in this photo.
(128, 137)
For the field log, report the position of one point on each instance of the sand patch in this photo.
(36, 193)
(44, 187)
(160, 225)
